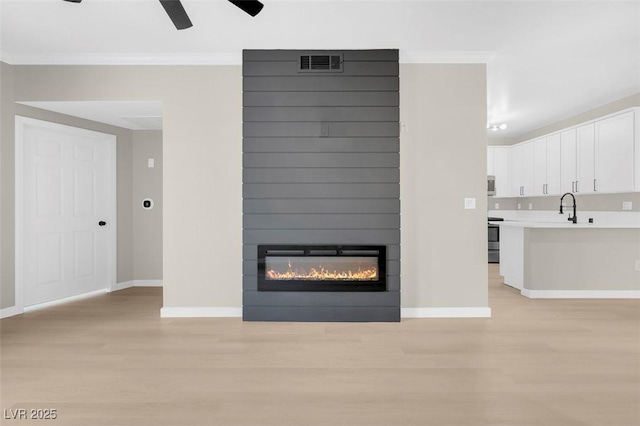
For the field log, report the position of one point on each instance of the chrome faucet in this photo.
(573, 219)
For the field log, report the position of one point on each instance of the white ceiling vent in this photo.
(328, 62)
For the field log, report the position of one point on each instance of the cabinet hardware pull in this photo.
(594, 185)
(577, 187)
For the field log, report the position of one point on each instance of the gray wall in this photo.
(147, 224)
(581, 259)
(585, 202)
(202, 133)
(443, 160)
(139, 237)
(301, 187)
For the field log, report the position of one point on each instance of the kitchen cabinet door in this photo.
(539, 167)
(553, 165)
(586, 159)
(490, 168)
(516, 171)
(522, 169)
(614, 140)
(568, 159)
(501, 171)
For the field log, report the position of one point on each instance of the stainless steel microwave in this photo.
(491, 185)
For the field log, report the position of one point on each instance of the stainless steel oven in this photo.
(493, 233)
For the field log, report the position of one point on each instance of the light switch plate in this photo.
(627, 205)
(151, 163)
(469, 203)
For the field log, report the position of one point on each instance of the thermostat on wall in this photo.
(147, 204)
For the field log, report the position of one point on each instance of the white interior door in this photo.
(68, 211)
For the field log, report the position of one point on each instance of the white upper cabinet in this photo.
(585, 179)
(554, 168)
(522, 169)
(600, 156)
(498, 166)
(546, 175)
(568, 161)
(614, 153)
(539, 167)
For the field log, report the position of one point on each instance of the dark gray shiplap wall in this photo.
(321, 166)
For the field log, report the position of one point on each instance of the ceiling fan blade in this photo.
(177, 13)
(252, 7)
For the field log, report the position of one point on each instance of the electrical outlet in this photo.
(627, 205)
(638, 265)
(530, 206)
(519, 206)
(497, 206)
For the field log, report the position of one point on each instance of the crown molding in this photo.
(223, 58)
(425, 57)
(168, 59)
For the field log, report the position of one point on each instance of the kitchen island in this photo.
(566, 260)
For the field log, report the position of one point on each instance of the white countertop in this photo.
(563, 225)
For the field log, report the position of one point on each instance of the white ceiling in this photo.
(546, 60)
(134, 115)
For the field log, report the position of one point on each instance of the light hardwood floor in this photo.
(111, 360)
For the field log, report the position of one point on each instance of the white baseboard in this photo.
(200, 312)
(581, 294)
(136, 283)
(10, 312)
(474, 312)
(122, 285)
(147, 283)
(65, 300)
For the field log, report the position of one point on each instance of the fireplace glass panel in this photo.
(321, 268)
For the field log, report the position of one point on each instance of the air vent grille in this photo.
(321, 63)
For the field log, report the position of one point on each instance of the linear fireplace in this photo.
(321, 268)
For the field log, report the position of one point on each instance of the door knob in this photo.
(102, 223)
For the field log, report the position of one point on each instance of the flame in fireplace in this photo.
(322, 274)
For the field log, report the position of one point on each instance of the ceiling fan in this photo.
(180, 18)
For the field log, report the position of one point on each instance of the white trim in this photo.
(424, 57)
(228, 58)
(19, 202)
(112, 249)
(20, 123)
(10, 312)
(220, 58)
(147, 283)
(472, 312)
(200, 312)
(136, 283)
(65, 300)
(581, 294)
(122, 285)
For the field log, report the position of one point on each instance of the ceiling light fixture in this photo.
(496, 127)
